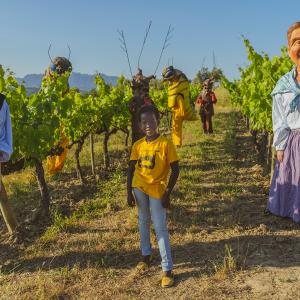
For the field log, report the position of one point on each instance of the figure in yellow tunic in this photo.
(55, 163)
(178, 101)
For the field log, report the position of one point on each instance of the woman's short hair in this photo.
(291, 29)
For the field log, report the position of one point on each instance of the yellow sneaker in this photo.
(167, 281)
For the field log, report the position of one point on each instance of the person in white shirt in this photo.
(284, 196)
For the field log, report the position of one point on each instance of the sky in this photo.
(202, 29)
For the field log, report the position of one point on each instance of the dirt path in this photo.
(223, 246)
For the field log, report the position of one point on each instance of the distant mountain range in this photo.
(84, 82)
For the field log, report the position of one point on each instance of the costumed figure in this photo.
(55, 163)
(178, 101)
(140, 88)
(140, 83)
(207, 99)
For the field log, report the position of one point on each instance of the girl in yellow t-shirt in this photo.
(148, 186)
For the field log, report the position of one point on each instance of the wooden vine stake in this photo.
(92, 153)
(6, 209)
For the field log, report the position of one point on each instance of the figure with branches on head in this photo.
(140, 83)
(140, 89)
(59, 65)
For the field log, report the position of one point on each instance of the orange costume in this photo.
(206, 99)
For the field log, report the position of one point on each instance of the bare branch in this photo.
(69, 52)
(144, 42)
(49, 54)
(166, 44)
(203, 61)
(124, 48)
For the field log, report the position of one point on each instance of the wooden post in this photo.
(43, 187)
(105, 149)
(6, 209)
(247, 123)
(107, 135)
(78, 166)
(126, 131)
(92, 153)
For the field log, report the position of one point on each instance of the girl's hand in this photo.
(130, 200)
(280, 155)
(165, 200)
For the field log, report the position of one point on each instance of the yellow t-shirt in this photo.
(153, 165)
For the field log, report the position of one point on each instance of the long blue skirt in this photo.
(284, 196)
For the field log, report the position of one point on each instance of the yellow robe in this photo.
(179, 102)
(55, 163)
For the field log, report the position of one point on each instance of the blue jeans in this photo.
(150, 206)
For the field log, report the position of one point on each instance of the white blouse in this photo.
(283, 121)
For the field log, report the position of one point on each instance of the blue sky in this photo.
(201, 28)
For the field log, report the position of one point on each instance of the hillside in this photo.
(83, 82)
